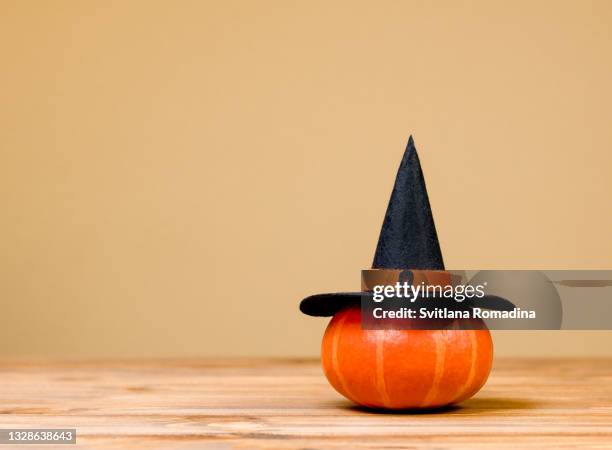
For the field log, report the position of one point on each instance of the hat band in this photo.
(385, 277)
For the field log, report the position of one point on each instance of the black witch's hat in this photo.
(408, 240)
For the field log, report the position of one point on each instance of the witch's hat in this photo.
(408, 240)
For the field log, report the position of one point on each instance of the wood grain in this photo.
(287, 404)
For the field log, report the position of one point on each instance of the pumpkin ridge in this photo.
(381, 385)
(472, 372)
(438, 371)
(335, 362)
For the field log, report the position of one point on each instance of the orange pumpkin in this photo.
(404, 369)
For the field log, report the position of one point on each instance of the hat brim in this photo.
(326, 305)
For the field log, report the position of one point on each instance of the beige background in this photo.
(175, 176)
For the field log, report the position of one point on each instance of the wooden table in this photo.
(226, 404)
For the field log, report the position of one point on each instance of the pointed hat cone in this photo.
(408, 238)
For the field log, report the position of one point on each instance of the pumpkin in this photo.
(404, 369)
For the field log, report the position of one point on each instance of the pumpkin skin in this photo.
(404, 369)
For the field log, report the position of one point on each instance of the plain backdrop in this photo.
(176, 176)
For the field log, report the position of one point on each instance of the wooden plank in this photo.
(223, 404)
